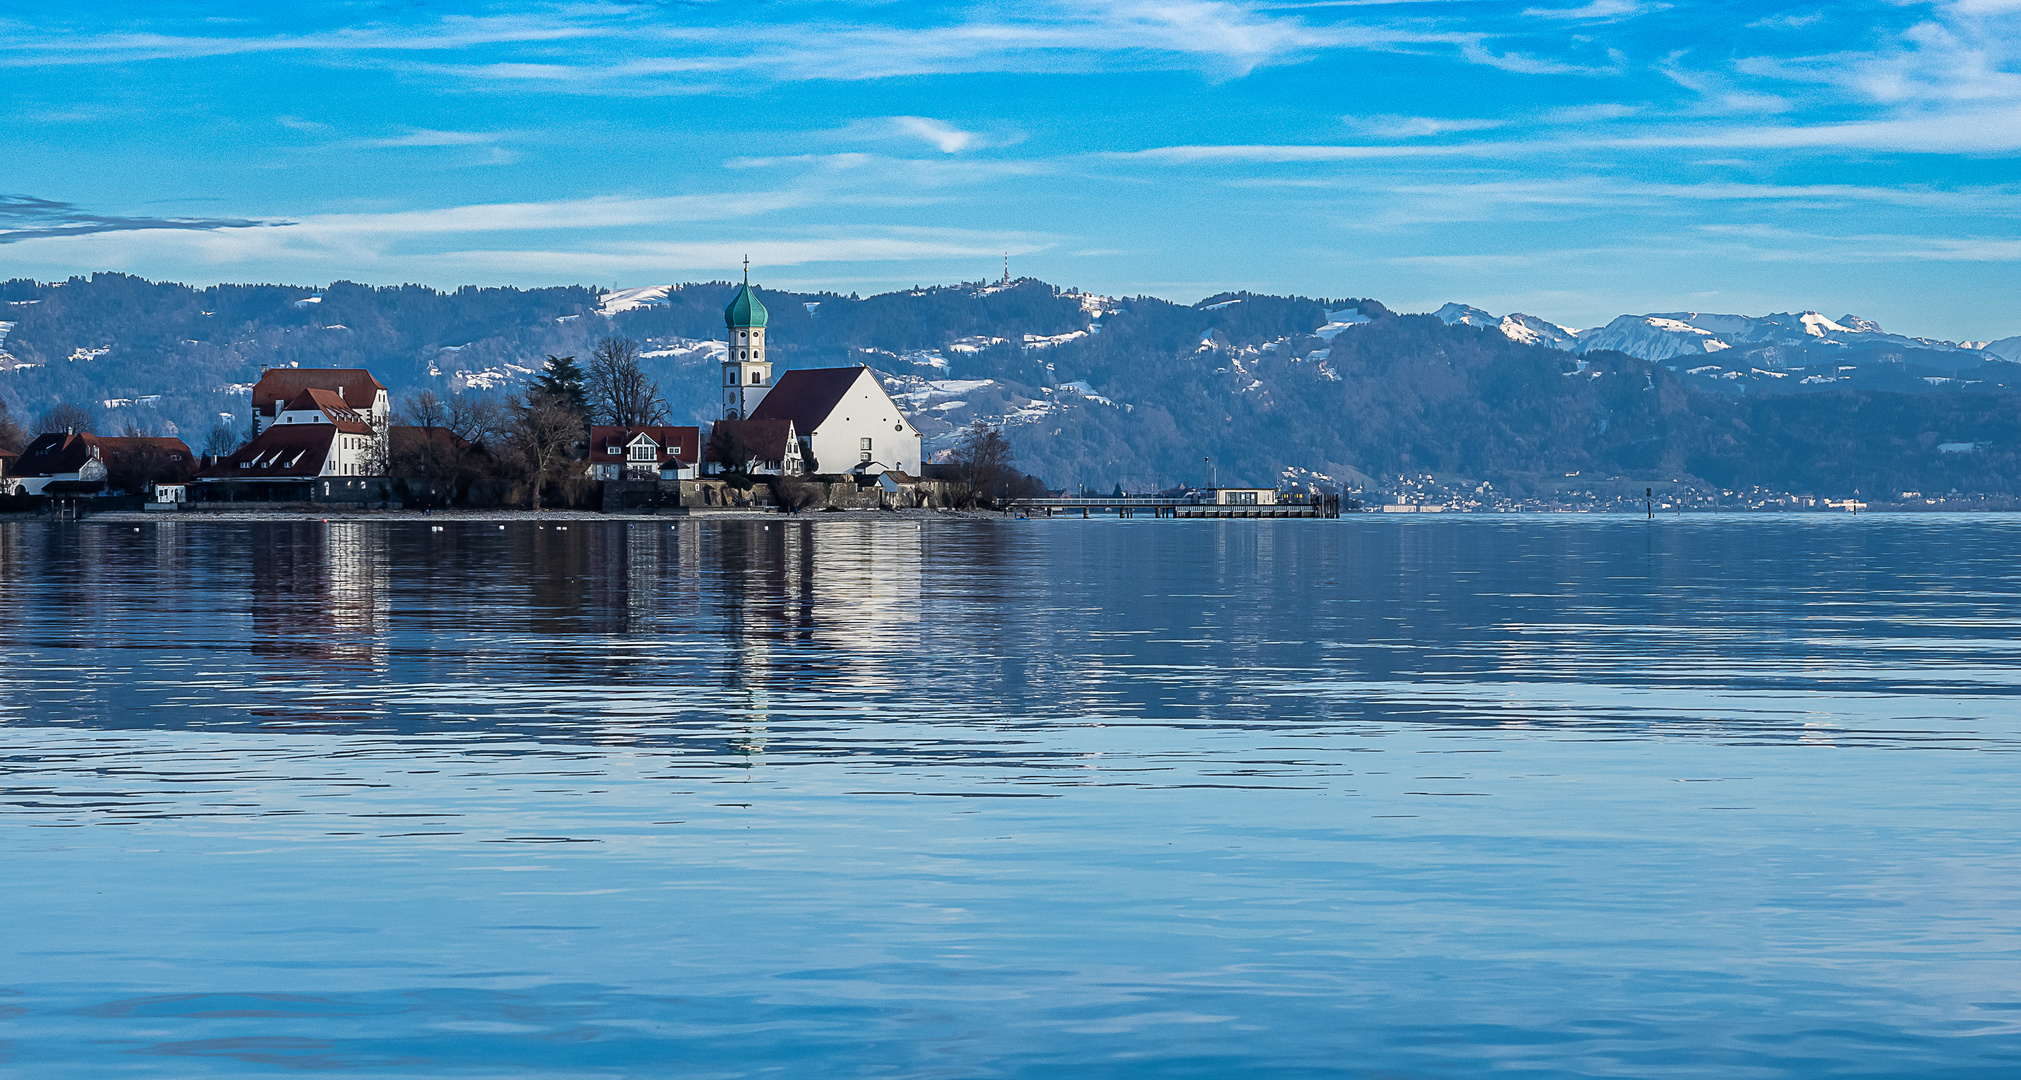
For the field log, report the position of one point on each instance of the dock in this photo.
(1178, 507)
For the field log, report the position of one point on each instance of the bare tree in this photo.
(67, 417)
(983, 460)
(545, 431)
(420, 445)
(11, 435)
(222, 440)
(619, 391)
(480, 420)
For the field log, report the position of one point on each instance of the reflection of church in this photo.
(837, 419)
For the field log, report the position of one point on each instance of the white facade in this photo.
(90, 471)
(864, 426)
(747, 375)
(379, 414)
(1241, 496)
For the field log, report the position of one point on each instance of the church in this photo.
(841, 419)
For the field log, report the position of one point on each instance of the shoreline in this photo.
(914, 515)
(138, 517)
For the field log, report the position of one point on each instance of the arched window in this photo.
(757, 379)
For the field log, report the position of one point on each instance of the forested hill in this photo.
(1092, 390)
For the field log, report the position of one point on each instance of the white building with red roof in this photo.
(314, 434)
(652, 452)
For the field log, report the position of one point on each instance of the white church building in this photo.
(842, 417)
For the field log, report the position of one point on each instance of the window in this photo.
(865, 445)
(757, 379)
(645, 451)
(611, 449)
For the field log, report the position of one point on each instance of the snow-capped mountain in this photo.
(1692, 333)
(1528, 329)
(1798, 350)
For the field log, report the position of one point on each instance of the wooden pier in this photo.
(1158, 506)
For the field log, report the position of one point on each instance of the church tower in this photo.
(747, 375)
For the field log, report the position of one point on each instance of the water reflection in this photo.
(846, 797)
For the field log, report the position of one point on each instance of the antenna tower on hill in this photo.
(1006, 267)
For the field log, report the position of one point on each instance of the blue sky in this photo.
(1572, 160)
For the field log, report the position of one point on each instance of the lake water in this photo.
(1541, 796)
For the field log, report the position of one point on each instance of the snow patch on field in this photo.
(633, 299)
(1048, 341)
(491, 378)
(1337, 321)
(973, 344)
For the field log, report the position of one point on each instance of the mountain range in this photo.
(1099, 391)
(1736, 353)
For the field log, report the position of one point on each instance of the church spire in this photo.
(747, 374)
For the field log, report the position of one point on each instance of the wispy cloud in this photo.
(428, 137)
(1412, 127)
(1597, 10)
(25, 217)
(567, 48)
(1776, 244)
(948, 138)
(1521, 64)
(1288, 153)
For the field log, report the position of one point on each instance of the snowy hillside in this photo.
(1734, 353)
(1104, 390)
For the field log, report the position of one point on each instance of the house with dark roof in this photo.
(843, 420)
(68, 463)
(754, 447)
(654, 452)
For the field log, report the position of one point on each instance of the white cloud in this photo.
(1290, 153)
(1598, 9)
(1959, 131)
(1411, 127)
(947, 137)
(1531, 65)
(569, 48)
(427, 137)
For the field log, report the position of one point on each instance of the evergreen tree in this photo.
(562, 380)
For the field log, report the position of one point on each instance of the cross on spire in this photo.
(747, 269)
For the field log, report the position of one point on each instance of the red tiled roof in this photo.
(766, 439)
(327, 402)
(355, 386)
(677, 444)
(806, 397)
(112, 446)
(292, 451)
